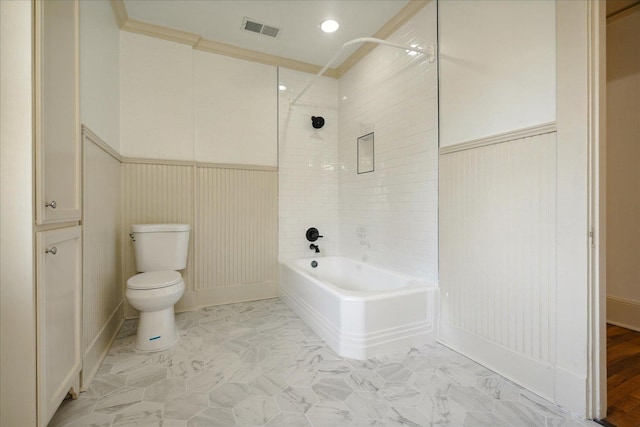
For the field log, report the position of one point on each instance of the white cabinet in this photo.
(58, 201)
(59, 294)
(57, 111)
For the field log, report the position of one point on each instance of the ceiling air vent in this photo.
(256, 27)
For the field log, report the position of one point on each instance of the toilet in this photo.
(160, 250)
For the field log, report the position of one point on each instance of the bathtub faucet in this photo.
(315, 247)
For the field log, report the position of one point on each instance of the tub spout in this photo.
(315, 247)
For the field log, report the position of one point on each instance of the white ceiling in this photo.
(299, 20)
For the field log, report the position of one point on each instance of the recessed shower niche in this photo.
(365, 153)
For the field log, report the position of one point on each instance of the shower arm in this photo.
(430, 51)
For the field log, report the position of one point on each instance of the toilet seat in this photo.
(154, 280)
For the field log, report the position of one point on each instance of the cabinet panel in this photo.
(57, 111)
(59, 292)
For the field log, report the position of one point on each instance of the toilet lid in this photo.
(154, 280)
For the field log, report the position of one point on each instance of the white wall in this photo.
(218, 115)
(236, 120)
(623, 170)
(308, 166)
(389, 217)
(17, 293)
(99, 71)
(487, 41)
(502, 102)
(156, 98)
(181, 104)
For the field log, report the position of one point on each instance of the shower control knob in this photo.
(51, 251)
(313, 234)
(51, 205)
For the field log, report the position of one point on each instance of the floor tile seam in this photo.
(501, 418)
(273, 416)
(491, 413)
(194, 415)
(494, 401)
(120, 412)
(537, 412)
(127, 407)
(541, 408)
(71, 419)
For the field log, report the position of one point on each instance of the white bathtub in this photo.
(360, 310)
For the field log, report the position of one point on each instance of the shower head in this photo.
(317, 122)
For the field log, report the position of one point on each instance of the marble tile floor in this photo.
(258, 364)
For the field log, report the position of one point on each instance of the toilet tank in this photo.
(160, 246)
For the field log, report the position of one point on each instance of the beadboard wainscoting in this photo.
(102, 293)
(158, 193)
(232, 211)
(236, 244)
(498, 257)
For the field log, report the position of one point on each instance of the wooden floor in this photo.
(623, 377)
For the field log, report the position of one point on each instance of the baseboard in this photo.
(98, 349)
(529, 373)
(240, 293)
(571, 391)
(604, 423)
(623, 312)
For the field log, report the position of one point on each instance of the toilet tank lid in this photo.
(156, 228)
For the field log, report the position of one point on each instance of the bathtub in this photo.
(360, 310)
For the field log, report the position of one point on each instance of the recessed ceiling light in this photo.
(282, 87)
(329, 25)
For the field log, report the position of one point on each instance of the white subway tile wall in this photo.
(307, 165)
(389, 217)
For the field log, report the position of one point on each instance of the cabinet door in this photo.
(57, 112)
(59, 292)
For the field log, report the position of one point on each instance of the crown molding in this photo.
(406, 13)
(623, 13)
(160, 32)
(263, 58)
(197, 42)
(120, 12)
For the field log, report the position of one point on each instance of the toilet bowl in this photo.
(160, 250)
(153, 294)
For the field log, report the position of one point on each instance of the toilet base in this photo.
(157, 330)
